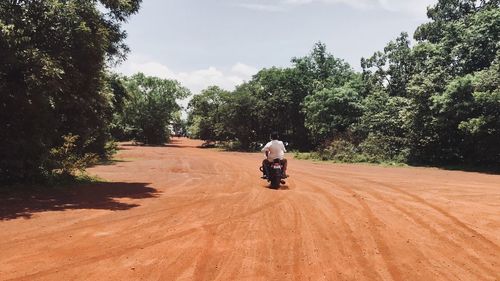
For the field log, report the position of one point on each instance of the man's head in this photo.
(274, 135)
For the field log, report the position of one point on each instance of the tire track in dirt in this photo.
(457, 247)
(484, 266)
(366, 265)
(446, 214)
(118, 251)
(461, 225)
(84, 225)
(424, 202)
(372, 227)
(373, 222)
(214, 219)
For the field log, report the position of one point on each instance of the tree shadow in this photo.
(109, 162)
(175, 143)
(24, 202)
(139, 144)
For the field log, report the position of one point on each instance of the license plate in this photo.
(277, 166)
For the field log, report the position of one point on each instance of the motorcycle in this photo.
(274, 173)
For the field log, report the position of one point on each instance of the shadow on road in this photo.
(282, 187)
(175, 143)
(103, 196)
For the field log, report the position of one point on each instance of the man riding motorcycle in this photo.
(275, 149)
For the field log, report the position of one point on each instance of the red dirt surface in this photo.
(184, 213)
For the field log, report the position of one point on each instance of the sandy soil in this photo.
(185, 213)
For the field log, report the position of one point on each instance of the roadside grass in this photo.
(356, 159)
(493, 170)
(363, 160)
(233, 146)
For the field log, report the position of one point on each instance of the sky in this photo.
(224, 42)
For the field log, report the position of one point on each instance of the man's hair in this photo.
(274, 135)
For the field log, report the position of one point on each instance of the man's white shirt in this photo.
(276, 149)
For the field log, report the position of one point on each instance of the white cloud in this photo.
(416, 8)
(411, 7)
(353, 3)
(261, 7)
(244, 70)
(195, 80)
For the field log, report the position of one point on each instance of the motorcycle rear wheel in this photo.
(275, 182)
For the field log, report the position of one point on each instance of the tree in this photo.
(393, 68)
(273, 100)
(52, 81)
(465, 31)
(118, 128)
(205, 115)
(276, 103)
(459, 43)
(331, 111)
(467, 116)
(179, 125)
(241, 115)
(323, 66)
(151, 107)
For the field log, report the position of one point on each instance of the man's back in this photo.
(276, 149)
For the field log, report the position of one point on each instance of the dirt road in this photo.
(185, 213)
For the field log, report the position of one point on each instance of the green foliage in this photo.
(340, 150)
(151, 107)
(53, 57)
(381, 148)
(179, 125)
(206, 115)
(331, 111)
(392, 69)
(240, 118)
(118, 128)
(273, 101)
(66, 160)
(384, 114)
(436, 102)
(437, 110)
(468, 117)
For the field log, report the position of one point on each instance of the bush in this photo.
(338, 150)
(376, 148)
(66, 161)
(381, 148)
(110, 149)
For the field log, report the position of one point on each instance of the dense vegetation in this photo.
(59, 105)
(149, 109)
(435, 102)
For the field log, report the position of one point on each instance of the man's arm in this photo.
(266, 148)
(283, 147)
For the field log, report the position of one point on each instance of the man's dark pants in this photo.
(266, 163)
